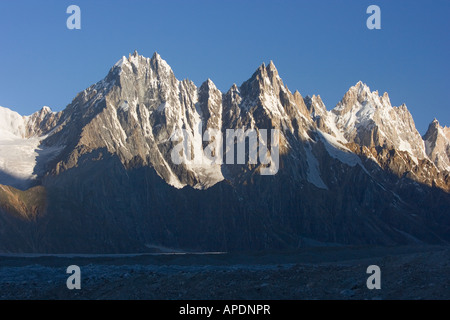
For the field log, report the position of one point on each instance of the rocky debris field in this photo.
(311, 273)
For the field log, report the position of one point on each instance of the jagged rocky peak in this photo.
(160, 64)
(138, 64)
(265, 95)
(208, 85)
(315, 105)
(431, 134)
(299, 101)
(209, 92)
(363, 92)
(42, 122)
(147, 81)
(46, 109)
(230, 102)
(369, 119)
(355, 94)
(360, 94)
(42, 113)
(140, 111)
(272, 70)
(210, 105)
(435, 127)
(263, 79)
(437, 145)
(307, 99)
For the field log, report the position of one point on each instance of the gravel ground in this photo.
(314, 273)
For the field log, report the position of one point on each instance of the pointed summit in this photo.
(264, 77)
(360, 87)
(272, 70)
(432, 130)
(315, 105)
(208, 85)
(160, 65)
(271, 67)
(46, 109)
(437, 145)
(156, 56)
(133, 55)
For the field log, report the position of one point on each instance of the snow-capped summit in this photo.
(154, 65)
(360, 97)
(368, 119)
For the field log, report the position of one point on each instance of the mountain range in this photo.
(98, 175)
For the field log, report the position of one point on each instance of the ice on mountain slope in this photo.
(324, 119)
(313, 172)
(124, 106)
(17, 161)
(12, 124)
(120, 62)
(338, 151)
(22, 158)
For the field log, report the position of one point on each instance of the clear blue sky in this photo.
(319, 47)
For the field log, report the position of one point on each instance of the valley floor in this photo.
(310, 273)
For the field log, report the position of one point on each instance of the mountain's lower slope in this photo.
(100, 206)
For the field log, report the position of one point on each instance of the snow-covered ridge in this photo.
(12, 124)
(139, 61)
(366, 117)
(144, 97)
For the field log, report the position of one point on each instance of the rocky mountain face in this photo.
(100, 176)
(437, 145)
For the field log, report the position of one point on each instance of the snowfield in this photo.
(21, 158)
